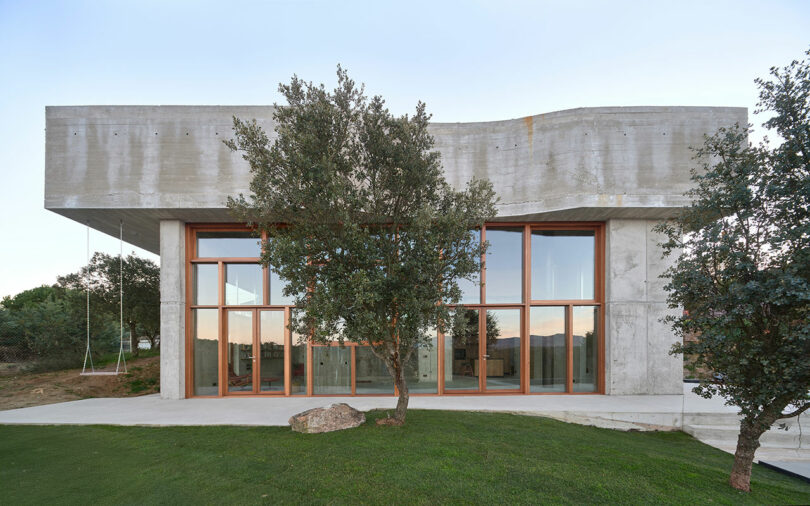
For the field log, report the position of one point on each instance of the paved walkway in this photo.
(656, 410)
(797, 469)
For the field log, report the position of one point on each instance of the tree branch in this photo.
(797, 412)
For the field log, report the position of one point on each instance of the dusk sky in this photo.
(469, 61)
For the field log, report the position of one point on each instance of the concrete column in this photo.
(172, 309)
(637, 344)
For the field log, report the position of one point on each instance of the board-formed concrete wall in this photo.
(142, 164)
(159, 167)
(172, 309)
(638, 343)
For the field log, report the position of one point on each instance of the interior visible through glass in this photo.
(461, 351)
(372, 376)
(547, 354)
(240, 351)
(562, 269)
(422, 368)
(503, 349)
(271, 367)
(205, 343)
(585, 323)
(298, 365)
(331, 370)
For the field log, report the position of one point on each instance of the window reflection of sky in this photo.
(562, 265)
(240, 327)
(471, 291)
(227, 245)
(547, 321)
(507, 321)
(243, 284)
(206, 277)
(504, 265)
(272, 327)
(206, 324)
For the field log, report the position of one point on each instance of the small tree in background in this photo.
(141, 292)
(743, 274)
(362, 225)
(47, 326)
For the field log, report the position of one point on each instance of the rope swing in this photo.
(121, 358)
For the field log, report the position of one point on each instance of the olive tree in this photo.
(360, 221)
(743, 272)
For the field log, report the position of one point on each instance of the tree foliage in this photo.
(362, 224)
(141, 287)
(743, 273)
(49, 323)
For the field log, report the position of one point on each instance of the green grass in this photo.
(438, 457)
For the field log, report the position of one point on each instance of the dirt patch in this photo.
(21, 390)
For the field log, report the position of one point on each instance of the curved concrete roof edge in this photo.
(594, 163)
(53, 110)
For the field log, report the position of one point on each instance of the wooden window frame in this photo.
(524, 306)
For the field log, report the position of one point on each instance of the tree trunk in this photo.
(402, 402)
(133, 339)
(747, 444)
(394, 363)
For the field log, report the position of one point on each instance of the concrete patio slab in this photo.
(800, 470)
(661, 411)
(686, 412)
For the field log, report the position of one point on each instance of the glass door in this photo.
(272, 342)
(240, 356)
(256, 359)
(502, 349)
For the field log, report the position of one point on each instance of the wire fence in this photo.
(14, 350)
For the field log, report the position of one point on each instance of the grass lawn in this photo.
(438, 457)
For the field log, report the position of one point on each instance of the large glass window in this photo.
(547, 352)
(504, 265)
(372, 376)
(563, 264)
(277, 298)
(422, 368)
(205, 343)
(248, 349)
(471, 289)
(243, 284)
(206, 279)
(240, 351)
(271, 367)
(298, 365)
(503, 349)
(585, 325)
(331, 370)
(461, 351)
(227, 245)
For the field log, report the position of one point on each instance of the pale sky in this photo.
(469, 61)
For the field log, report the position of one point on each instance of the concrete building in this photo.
(576, 291)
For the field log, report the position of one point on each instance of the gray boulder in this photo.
(335, 417)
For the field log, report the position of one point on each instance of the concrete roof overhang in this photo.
(143, 164)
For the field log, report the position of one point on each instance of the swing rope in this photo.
(121, 357)
(87, 354)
